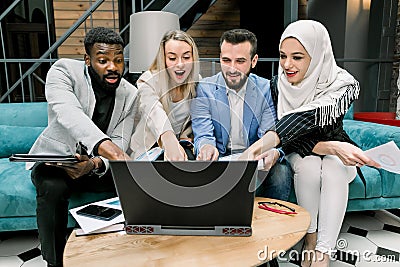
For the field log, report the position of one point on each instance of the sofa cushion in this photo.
(350, 113)
(368, 135)
(24, 114)
(19, 139)
(391, 184)
(373, 185)
(17, 193)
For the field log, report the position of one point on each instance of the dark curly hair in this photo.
(101, 35)
(237, 36)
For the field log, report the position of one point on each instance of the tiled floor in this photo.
(365, 239)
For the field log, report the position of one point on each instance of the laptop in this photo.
(186, 197)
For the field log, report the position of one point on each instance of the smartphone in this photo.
(186, 143)
(99, 212)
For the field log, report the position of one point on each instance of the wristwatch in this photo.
(97, 169)
(281, 154)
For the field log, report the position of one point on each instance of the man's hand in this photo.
(208, 152)
(248, 154)
(109, 150)
(349, 154)
(269, 157)
(76, 170)
(261, 146)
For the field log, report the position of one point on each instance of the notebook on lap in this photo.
(186, 198)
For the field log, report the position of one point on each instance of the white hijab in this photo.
(326, 87)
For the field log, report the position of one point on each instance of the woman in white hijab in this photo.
(312, 95)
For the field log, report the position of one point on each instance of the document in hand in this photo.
(151, 155)
(236, 156)
(387, 155)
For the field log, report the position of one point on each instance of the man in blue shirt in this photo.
(234, 108)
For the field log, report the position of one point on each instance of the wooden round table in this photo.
(272, 234)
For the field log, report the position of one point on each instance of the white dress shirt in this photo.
(236, 102)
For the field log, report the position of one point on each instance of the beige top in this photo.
(154, 119)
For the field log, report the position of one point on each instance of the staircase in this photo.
(204, 20)
(20, 80)
(66, 13)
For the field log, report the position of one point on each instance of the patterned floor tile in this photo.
(374, 233)
(36, 262)
(376, 261)
(30, 254)
(387, 217)
(355, 244)
(385, 239)
(345, 227)
(363, 220)
(18, 244)
(10, 261)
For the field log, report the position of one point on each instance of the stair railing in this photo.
(51, 49)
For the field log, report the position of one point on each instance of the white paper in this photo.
(150, 155)
(387, 155)
(108, 229)
(236, 157)
(89, 225)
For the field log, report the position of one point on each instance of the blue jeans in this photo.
(275, 183)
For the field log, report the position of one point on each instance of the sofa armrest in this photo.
(368, 135)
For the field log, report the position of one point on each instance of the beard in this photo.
(102, 83)
(236, 85)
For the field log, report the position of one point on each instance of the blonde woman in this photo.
(164, 92)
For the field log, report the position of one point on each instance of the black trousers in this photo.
(53, 190)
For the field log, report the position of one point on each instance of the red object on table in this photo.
(387, 118)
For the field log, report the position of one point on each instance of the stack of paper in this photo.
(236, 157)
(90, 225)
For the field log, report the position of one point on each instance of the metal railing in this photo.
(46, 56)
(212, 67)
(32, 64)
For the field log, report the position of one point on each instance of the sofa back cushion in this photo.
(17, 139)
(24, 114)
(350, 113)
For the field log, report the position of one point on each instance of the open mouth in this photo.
(290, 74)
(179, 73)
(112, 79)
(233, 74)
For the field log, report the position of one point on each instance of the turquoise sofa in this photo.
(381, 189)
(20, 125)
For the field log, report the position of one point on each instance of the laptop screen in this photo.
(186, 194)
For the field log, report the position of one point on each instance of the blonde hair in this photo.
(158, 66)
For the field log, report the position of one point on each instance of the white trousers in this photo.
(321, 186)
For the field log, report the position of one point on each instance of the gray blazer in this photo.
(71, 103)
